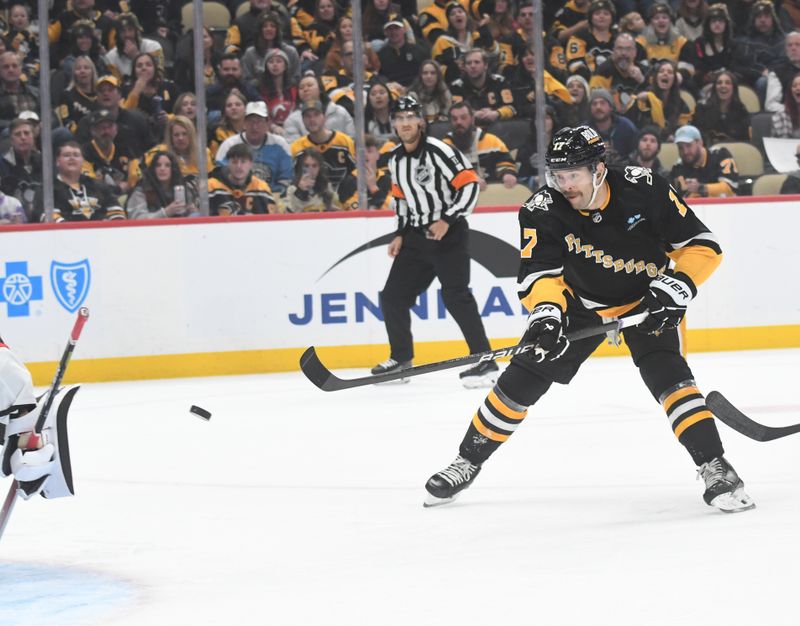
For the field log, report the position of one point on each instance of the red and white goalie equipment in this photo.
(39, 463)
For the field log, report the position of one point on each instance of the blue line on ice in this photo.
(43, 594)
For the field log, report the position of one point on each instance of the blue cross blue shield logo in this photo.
(17, 289)
(70, 282)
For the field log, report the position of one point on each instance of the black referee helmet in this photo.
(406, 103)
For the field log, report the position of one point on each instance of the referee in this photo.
(434, 188)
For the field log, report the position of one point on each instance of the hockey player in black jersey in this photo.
(599, 243)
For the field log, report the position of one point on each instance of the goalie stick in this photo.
(323, 378)
(11, 496)
(733, 417)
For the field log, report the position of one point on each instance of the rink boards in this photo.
(231, 296)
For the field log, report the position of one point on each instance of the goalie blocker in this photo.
(40, 464)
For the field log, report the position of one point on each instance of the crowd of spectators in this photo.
(280, 96)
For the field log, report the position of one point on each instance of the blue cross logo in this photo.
(17, 289)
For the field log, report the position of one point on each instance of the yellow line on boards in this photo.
(286, 359)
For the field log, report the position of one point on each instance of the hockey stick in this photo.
(11, 496)
(323, 378)
(733, 417)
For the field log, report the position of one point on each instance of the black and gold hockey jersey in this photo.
(585, 52)
(109, 167)
(567, 16)
(716, 171)
(489, 155)
(339, 153)
(89, 200)
(433, 19)
(253, 197)
(607, 257)
(496, 94)
(74, 105)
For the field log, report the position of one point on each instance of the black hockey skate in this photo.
(390, 365)
(444, 486)
(481, 375)
(724, 488)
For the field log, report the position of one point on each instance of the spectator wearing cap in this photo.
(15, 95)
(460, 38)
(617, 131)
(58, 31)
(400, 59)
(700, 172)
(591, 46)
(272, 161)
(79, 98)
(106, 158)
(21, 166)
(336, 116)
(489, 94)
(579, 110)
(277, 88)
(233, 189)
(624, 73)
(661, 40)
(129, 45)
(377, 14)
(268, 37)
(648, 144)
(488, 154)
(229, 76)
(762, 41)
(336, 148)
(133, 129)
(76, 196)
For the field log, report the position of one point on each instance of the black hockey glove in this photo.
(666, 301)
(545, 328)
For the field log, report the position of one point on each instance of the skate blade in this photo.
(736, 502)
(399, 381)
(478, 382)
(431, 500)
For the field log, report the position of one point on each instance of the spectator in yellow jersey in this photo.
(337, 149)
(232, 122)
(486, 152)
(702, 172)
(433, 19)
(489, 94)
(233, 189)
(662, 103)
(523, 88)
(571, 18)
(661, 40)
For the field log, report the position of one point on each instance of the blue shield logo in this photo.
(70, 282)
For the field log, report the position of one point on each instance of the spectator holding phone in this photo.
(310, 190)
(162, 192)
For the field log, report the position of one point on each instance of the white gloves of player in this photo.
(545, 329)
(666, 300)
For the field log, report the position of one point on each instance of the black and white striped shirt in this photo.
(434, 182)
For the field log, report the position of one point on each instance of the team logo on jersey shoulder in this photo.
(422, 174)
(634, 172)
(541, 201)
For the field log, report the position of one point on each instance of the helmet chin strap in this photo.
(596, 184)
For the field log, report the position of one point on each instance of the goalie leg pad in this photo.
(46, 470)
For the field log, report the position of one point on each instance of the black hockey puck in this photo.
(199, 412)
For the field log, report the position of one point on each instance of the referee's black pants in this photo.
(420, 261)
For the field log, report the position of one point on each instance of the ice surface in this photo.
(297, 507)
